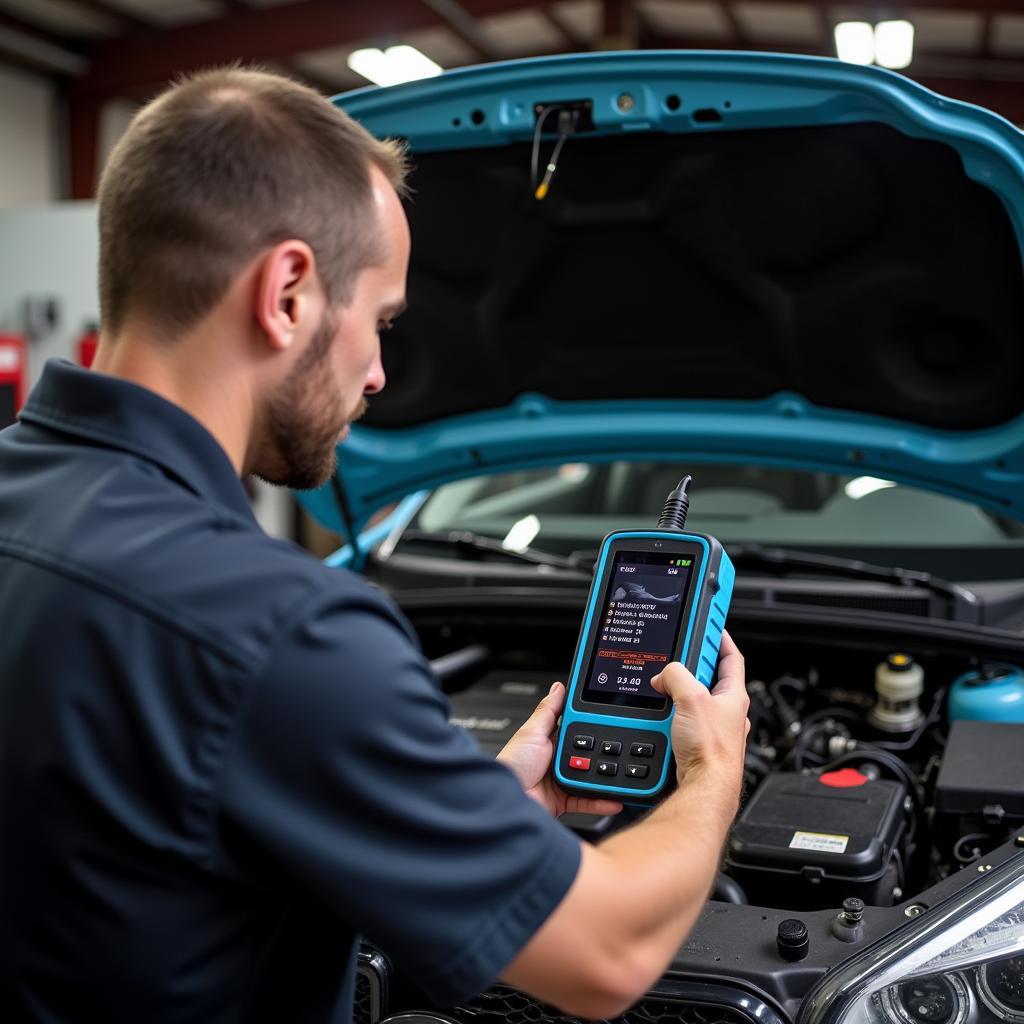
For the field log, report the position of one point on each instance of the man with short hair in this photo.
(221, 762)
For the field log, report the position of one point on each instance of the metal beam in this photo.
(619, 26)
(31, 30)
(458, 20)
(265, 33)
(578, 43)
(873, 8)
(118, 14)
(308, 77)
(38, 53)
(83, 145)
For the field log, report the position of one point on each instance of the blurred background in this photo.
(72, 73)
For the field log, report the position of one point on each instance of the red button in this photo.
(844, 778)
(581, 764)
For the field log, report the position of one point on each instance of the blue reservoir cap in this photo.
(993, 693)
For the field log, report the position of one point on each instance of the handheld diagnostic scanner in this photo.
(657, 596)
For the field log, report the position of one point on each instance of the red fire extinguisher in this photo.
(13, 374)
(87, 346)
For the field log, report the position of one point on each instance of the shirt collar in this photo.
(119, 414)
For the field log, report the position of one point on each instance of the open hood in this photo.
(742, 258)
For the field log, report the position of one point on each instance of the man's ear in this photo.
(288, 293)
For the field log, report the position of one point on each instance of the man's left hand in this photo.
(528, 754)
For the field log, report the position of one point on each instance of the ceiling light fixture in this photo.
(393, 66)
(855, 42)
(894, 44)
(889, 44)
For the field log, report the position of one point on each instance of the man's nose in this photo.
(375, 379)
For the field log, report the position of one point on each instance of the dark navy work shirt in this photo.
(221, 762)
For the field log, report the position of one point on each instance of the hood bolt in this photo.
(853, 910)
(915, 910)
(792, 939)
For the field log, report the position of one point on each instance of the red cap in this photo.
(844, 778)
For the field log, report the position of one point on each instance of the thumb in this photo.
(679, 684)
(546, 713)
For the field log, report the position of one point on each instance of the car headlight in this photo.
(961, 962)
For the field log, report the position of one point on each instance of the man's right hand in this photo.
(637, 895)
(710, 728)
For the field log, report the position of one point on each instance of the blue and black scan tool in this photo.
(658, 596)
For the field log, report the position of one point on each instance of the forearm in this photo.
(666, 865)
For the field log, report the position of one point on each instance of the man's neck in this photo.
(184, 372)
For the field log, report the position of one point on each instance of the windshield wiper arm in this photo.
(473, 545)
(964, 604)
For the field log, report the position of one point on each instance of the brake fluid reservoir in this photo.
(993, 693)
(899, 683)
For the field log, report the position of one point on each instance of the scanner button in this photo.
(607, 768)
(581, 764)
(613, 747)
(637, 771)
(641, 750)
(583, 742)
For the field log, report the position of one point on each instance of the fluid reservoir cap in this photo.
(899, 678)
(792, 939)
(844, 778)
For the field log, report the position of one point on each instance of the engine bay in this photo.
(869, 775)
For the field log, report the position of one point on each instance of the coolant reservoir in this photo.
(899, 683)
(994, 693)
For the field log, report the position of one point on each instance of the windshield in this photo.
(569, 508)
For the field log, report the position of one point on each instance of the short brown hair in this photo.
(221, 166)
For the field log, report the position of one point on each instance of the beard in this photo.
(304, 420)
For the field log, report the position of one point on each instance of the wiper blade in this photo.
(472, 545)
(964, 604)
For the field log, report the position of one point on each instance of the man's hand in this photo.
(710, 727)
(528, 754)
(617, 928)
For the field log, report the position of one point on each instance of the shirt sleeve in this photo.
(347, 776)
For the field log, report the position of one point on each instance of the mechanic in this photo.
(220, 761)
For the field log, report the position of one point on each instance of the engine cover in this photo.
(810, 841)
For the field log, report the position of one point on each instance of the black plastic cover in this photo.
(798, 834)
(982, 769)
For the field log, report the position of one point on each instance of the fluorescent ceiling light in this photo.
(855, 42)
(862, 486)
(393, 66)
(894, 44)
(522, 534)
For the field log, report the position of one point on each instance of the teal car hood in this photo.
(742, 258)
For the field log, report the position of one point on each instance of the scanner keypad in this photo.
(626, 758)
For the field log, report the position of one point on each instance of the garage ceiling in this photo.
(126, 49)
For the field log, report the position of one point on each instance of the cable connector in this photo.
(673, 515)
(567, 120)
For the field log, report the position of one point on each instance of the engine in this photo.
(864, 781)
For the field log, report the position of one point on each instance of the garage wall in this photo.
(29, 157)
(49, 252)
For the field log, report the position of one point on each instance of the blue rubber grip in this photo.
(699, 652)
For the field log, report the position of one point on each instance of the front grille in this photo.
(714, 1006)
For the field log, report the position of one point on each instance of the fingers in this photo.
(589, 805)
(731, 667)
